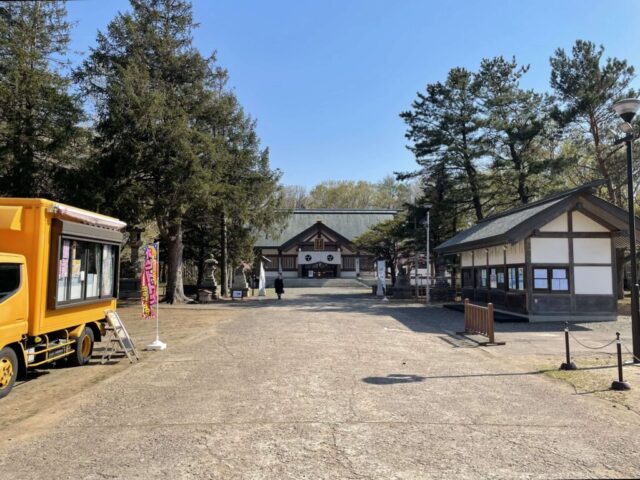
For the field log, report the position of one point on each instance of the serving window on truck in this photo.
(84, 261)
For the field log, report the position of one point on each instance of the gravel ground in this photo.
(325, 384)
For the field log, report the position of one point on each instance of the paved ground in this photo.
(324, 384)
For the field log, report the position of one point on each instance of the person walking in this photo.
(279, 286)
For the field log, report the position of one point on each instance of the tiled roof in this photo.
(348, 223)
(515, 224)
(495, 227)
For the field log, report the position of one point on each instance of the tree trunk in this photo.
(223, 255)
(174, 248)
(472, 176)
(522, 176)
(392, 267)
(601, 159)
(200, 268)
(135, 242)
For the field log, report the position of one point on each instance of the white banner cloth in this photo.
(262, 284)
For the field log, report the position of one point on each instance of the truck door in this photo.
(14, 302)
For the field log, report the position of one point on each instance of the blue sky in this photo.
(327, 79)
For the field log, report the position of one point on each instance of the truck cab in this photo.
(14, 302)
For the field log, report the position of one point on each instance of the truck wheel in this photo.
(84, 348)
(8, 370)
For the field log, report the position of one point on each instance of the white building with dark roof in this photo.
(554, 259)
(317, 243)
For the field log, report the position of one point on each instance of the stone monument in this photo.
(240, 282)
(402, 288)
(207, 292)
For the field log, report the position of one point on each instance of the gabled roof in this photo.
(518, 223)
(347, 223)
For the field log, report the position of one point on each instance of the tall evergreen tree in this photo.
(241, 196)
(149, 84)
(445, 128)
(38, 115)
(520, 132)
(587, 85)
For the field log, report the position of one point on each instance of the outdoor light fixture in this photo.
(626, 110)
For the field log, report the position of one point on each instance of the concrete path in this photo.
(322, 385)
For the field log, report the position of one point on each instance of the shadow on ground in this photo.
(394, 378)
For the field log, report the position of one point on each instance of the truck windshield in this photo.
(9, 279)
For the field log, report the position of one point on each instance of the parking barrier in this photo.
(568, 365)
(619, 384)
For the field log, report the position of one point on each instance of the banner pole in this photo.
(158, 291)
(157, 344)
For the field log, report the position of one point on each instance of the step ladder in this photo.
(118, 337)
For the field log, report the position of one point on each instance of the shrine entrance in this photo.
(319, 270)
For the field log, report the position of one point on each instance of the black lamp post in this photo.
(626, 110)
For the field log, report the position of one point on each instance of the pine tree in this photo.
(149, 85)
(587, 85)
(241, 196)
(38, 115)
(520, 132)
(445, 128)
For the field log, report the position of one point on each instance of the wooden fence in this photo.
(479, 320)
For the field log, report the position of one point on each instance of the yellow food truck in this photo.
(58, 275)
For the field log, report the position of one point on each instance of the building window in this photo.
(516, 278)
(467, 277)
(289, 262)
(559, 280)
(520, 278)
(318, 243)
(540, 279)
(551, 279)
(348, 262)
(481, 278)
(496, 278)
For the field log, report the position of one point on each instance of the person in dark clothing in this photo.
(279, 286)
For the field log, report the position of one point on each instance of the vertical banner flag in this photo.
(382, 270)
(262, 282)
(149, 281)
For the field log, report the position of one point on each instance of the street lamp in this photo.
(427, 206)
(626, 110)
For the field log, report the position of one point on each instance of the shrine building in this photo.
(317, 243)
(557, 259)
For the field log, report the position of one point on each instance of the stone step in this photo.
(321, 282)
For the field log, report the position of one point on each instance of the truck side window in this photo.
(63, 271)
(93, 269)
(9, 279)
(85, 271)
(108, 269)
(78, 270)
